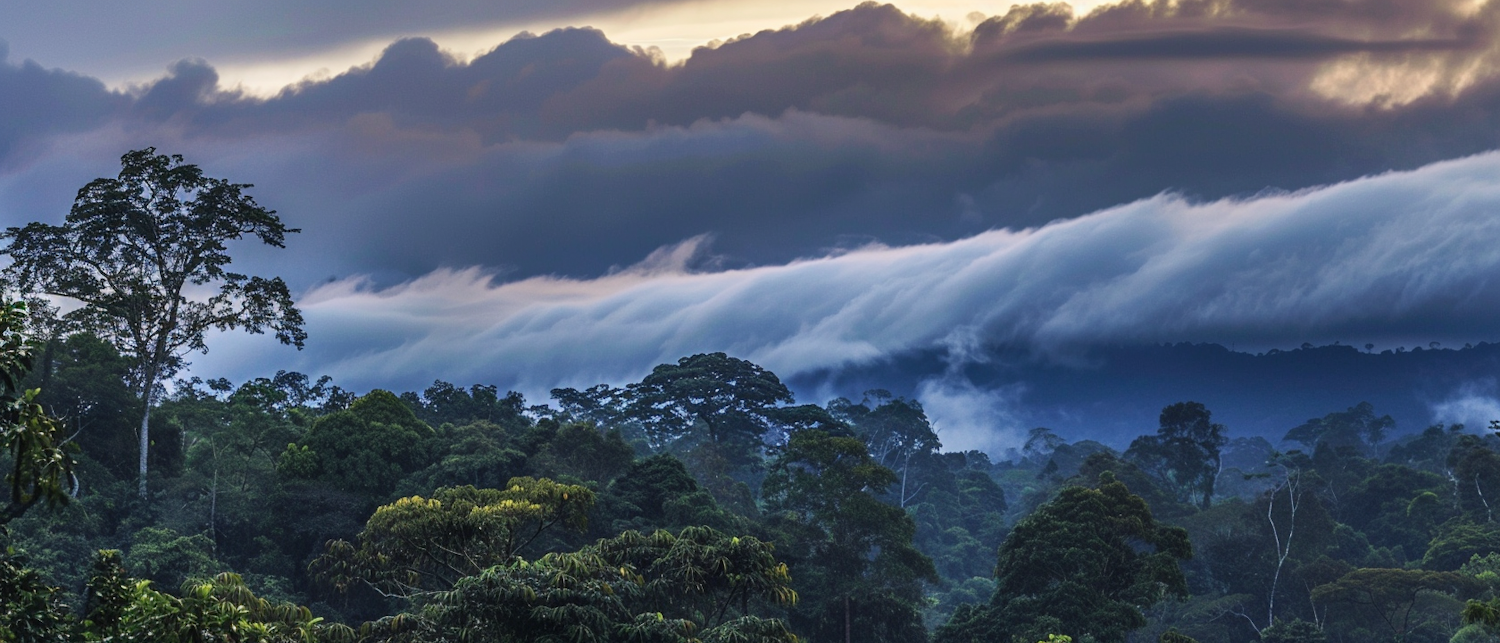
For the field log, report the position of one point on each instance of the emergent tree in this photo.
(136, 250)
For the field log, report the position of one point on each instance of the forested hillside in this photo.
(703, 503)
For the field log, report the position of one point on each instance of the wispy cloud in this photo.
(1474, 404)
(1385, 258)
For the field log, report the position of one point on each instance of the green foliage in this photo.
(1294, 631)
(1398, 506)
(1173, 636)
(170, 559)
(1356, 427)
(658, 493)
(417, 544)
(857, 551)
(1474, 633)
(584, 452)
(898, 435)
(1184, 453)
(1393, 593)
(31, 611)
(366, 449)
(1457, 542)
(696, 586)
(651, 482)
(134, 248)
(1475, 469)
(480, 454)
(1084, 564)
(218, 609)
(32, 443)
(874, 527)
(1482, 621)
(723, 400)
(82, 381)
(1485, 569)
(443, 403)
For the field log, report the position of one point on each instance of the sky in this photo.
(537, 194)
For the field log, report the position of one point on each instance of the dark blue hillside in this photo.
(1114, 394)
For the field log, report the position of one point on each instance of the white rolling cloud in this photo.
(1385, 258)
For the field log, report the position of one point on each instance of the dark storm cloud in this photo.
(36, 103)
(869, 124)
(1223, 43)
(132, 35)
(871, 62)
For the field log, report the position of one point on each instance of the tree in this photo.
(1184, 453)
(41, 468)
(1294, 631)
(365, 449)
(580, 450)
(443, 403)
(861, 569)
(1392, 593)
(218, 609)
(1084, 564)
(728, 402)
(30, 609)
(896, 431)
(1356, 427)
(696, 586)
(83, 383)
(134, 249)
(417, 545)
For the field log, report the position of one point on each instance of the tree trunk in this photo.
(213, 510)
(145, 436)
(846, 618)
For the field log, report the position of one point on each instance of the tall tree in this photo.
(1356, 428)
(1085, 564)
(1184, 453)
(860, 569)
(897, 431)
(725, 401)
(137, 249)
(418, 545)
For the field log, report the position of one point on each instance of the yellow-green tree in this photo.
(417, 545)
(698, 586)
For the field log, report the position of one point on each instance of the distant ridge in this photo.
(1114, 394)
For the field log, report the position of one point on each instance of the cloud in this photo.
(1473, 405)
(1385, 259)
(124, 38)
(42, 102)
(566, 154)
(967, 417)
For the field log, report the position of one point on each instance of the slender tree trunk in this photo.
(1283, 548)
(145, 435)
(213, 510)
(846, 618)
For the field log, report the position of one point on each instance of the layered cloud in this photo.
(1390, 258)
(567, 154)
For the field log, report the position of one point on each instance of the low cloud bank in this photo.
(1400, 256)
(1473, 405)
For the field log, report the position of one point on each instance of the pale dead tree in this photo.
(1291, 483)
